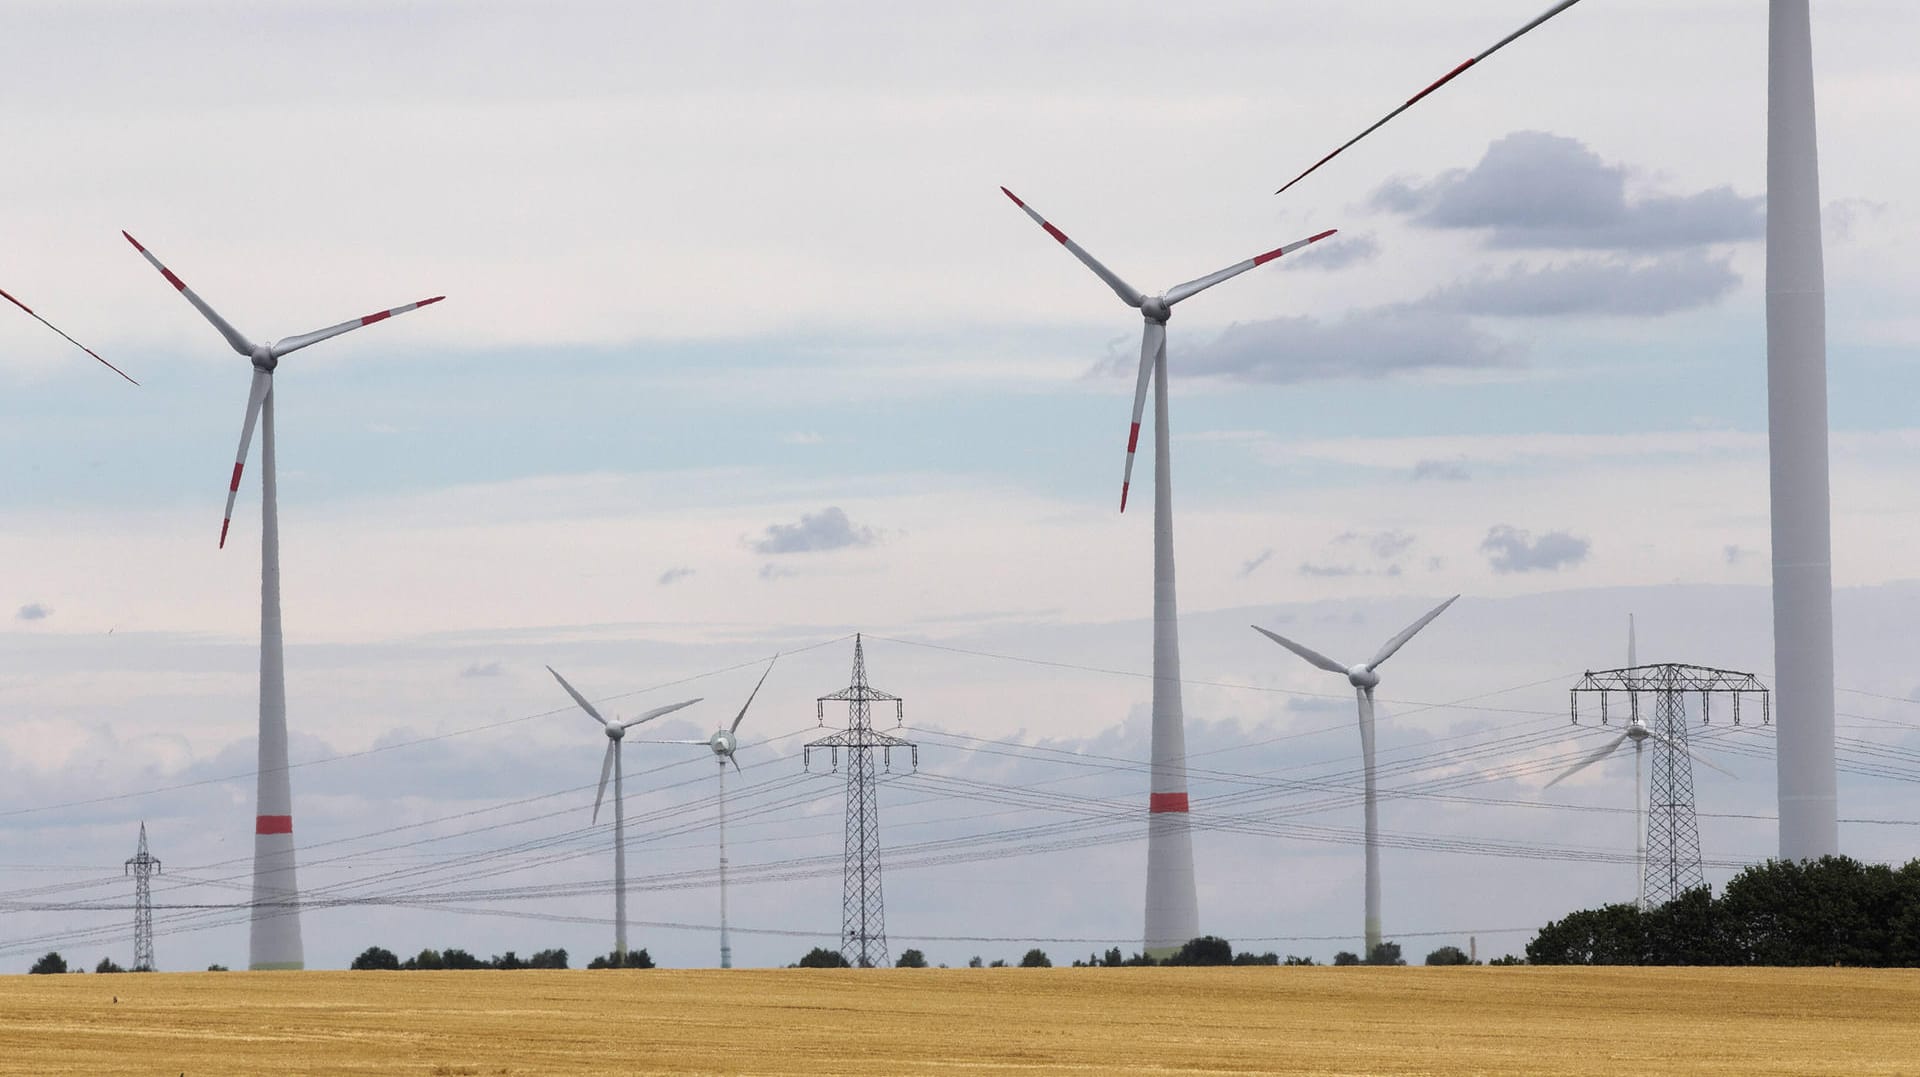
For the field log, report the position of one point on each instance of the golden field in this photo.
(1608, 1022)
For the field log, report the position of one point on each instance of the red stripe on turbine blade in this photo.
(16, 302)
(1263, 259)
(224, 524)
(1133, 438)
(430, 302)
(380, 317)
(1015, 197)
(273, 824)
(237, 465)
(1444, 79)
(1166, 802)
(135, 242)
(1123, 495)
(1054, 232)
(1321, 236)
(173, 280)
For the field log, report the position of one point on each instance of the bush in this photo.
(548, 959)
(1346, 957)
(822, 958)
(507, 961)
(1268, 958)
(997, 963)
(1205, 950)
(376, 958)
(1508, 960)
(1449, 955)
(1292, 960)
(974, 962)
(1035, 958)
(106, 965)
(51, 963)
(1386, 953)
(911, 959)
(635, 959)
(216, 968)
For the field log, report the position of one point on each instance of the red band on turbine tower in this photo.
(1166, 802)
(275, 824)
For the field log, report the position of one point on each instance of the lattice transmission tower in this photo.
(142, 866)
(1672, 835)
(863, 911)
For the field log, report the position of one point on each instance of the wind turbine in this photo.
(1172, 914)
(4, 294)
(274, 942)
(723, 743)
(1364, 677)
(616, 732)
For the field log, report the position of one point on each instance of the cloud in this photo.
(1736, 554)
(1348, 249)
(1611, 286)
(771, 571)
(674, 575)
(484, 669)
(1387, 545)
(1509, 549)
(1374, 343)
(828, 529)
(1248, 568)
(1328, 571)
(1533, 190)
(33, 611)
(1441, 471)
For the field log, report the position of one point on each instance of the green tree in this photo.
(216, 968)
(1292, 960)
(425, 961)
(634, 959)
(911, 959)
(1113, 958)
(1268, 958)
(1346, 957)
(974, 962)
(1449, 955)
(376, 957)
(1508, 960)
(548, 959)
(1035, 958)
(1386, 953)
(1609, 935)
(51, 963)
(822, 958)
(1205, 950)
(106, 965)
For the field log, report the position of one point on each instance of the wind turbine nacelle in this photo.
(614, 732)
(1156, 309)
(722, 743)
(1362, 677)
(263, 357)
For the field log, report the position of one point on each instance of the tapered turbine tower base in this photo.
(1173, 903)
(274, 941)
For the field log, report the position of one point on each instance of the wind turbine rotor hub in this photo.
(1638, 730)
(614, 732)
(722, 743)
(1362, 677)
(264, 359)
(1156, 310)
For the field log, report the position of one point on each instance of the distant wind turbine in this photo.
(274, 942)
(1173, 913)
(610, 764)
(1364, 677)
(724, 742)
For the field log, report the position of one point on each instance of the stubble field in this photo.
(1026, 1021)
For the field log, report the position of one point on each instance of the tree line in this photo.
(1831, 911)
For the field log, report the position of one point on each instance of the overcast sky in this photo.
(744, 351)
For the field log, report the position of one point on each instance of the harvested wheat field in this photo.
(1038, 1021)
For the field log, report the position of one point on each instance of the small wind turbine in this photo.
(1364, 677)
(274, 940)
(1172, 912)
(1637, 732)
(4, 294)
(616, 731)
(723, 743)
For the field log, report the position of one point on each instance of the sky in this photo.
(745, 352)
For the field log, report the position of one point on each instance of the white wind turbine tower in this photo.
(1639, 734)
(723, 743)
(616, 732)
(1172, 912)
(1364, 677)
(274, 941)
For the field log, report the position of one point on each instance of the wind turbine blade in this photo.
(1152, 342)
(1588, 761)
(577, 697)
(294, 344)
(1128, 294)
(1394, 644)
(1697, 757)
(735, 762)
(240, 343)
(30, 312)
(735, 727)
(606, 768)
(658, 711)
(1200, 284)
(1307, 653)
(262, 385)
(1444, 79)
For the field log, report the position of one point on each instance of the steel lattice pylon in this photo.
(863, 912)
(1672, 830)
(141, 866)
